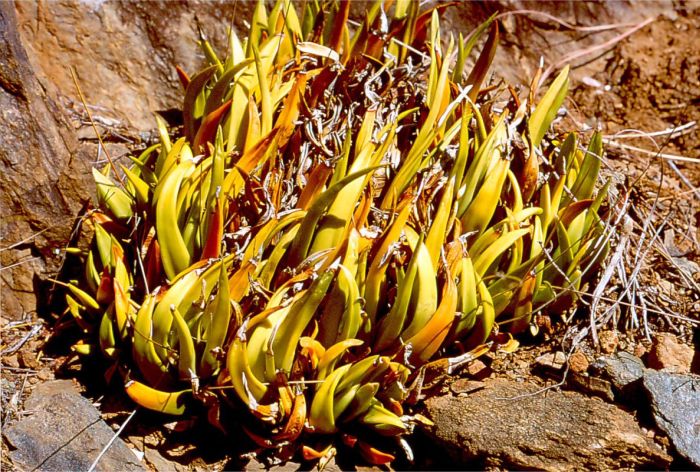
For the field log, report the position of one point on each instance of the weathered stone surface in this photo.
(608, 341)
(160, 463)
(591, 385)
(675, 403)
(124, 52)
(44, 177)
(506, 425)
(464, 386)
(290, 466)
(65, 432)
(624, 371)
(578, 362)
(527, 36)
(552, 360)
(667, 353)
(623, 368)
(255, 465)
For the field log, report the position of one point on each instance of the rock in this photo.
(45, 373)
(124, 52)
(11, 361)
(623, 368)
(640, 350)
(675, 403)
(28, 360)
(465, 386)
(478, 370)
(608, 341)
(624, 371)
(552, 360)
(255, 465)
(578, 362)
(509, 425)
(591, 385)
(667, 353)
(695, 365)
(290, 466)
(526, 38)
(691, 268)
(44, 176)
(65, 432)
(160, 463)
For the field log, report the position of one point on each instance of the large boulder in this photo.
(511, 425)
(675, 403)
(64, 431)
(124, 52)
(44, 176)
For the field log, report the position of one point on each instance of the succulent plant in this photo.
(340, 207)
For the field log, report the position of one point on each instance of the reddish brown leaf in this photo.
(207, 130)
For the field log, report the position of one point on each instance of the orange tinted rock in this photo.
(578, 362)
(667, 353)
(609, 341)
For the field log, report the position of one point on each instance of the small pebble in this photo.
(668, 353)
(465, 386)
(478, 370)
(11, 361)
(44, 374)
(578, 362)
(608, 341)
(552, 360)
(27, 360)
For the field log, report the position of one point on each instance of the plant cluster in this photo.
(340, 207)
